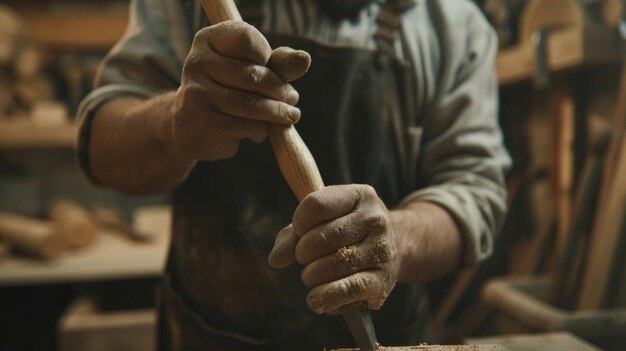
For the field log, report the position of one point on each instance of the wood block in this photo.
(84, 327)
(438, 348)
(539, 342)
(73, 222)
(32, 236)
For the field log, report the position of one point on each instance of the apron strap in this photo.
(389, 24)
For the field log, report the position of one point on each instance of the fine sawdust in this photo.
(438, 348)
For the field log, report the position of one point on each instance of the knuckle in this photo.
(376, 221)
(202, 34)
(248, 35)
(315, 204)
(254, 74)
(367, 191)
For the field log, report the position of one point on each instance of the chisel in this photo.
(301, 173)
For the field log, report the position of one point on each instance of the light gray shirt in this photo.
(461, 160)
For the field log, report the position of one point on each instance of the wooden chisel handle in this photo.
(293, 156)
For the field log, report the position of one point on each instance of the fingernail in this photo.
(293, 97)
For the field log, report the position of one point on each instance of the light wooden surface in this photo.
(567, 48)
(538, 342)
(84, 327)
(111, 257)
(27, 134)
(97, 29)
(439, 348)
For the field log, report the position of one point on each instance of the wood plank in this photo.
(84, 327)
(97, 29)
(27, 134)
(605, 239)
(562, 111)
(607, 225)
(439, 348)
(567, 48)
(538, 342)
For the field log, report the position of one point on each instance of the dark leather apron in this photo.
(218, 292)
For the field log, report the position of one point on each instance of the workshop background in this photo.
(79, 264)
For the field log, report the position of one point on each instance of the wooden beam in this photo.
(92, 29)
(27, 134)
(567, 48)
(607, 226)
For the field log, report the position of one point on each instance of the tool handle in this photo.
(293, 156)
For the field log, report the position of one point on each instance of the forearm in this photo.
(428, 241)
(131, 147)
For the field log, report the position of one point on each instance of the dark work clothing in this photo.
(417, 121)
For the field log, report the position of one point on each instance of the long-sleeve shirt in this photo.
(459, 161)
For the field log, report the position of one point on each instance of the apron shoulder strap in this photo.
(389, 24)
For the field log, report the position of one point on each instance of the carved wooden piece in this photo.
(73, 222)
(32, 236)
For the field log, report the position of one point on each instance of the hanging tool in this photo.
(301, 173)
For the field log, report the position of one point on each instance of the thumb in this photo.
(290, 64)
(284, 251)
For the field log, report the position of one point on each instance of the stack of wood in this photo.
(24, 88)
(568, 186)
(589, 273)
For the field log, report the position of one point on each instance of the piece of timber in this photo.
(96, 29)
(438, 348)
(32, 236)
(73, 222)
(4, 250)
(607, 226)
(575, 40)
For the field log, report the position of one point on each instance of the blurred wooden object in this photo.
(84, 327)
(11, 30)
(113, 220)
(437, 348)
(537, 342)
(32, 236)
(575, 39)
(608, 225)
(28, 134)
(73, 221)
(568, 268)
(562, 111)
(95, 29)
(4, 250)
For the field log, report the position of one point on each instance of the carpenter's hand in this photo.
(227, 93)
(342, 236)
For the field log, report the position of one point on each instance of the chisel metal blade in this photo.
(359, 321)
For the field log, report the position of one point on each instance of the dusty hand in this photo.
(228, 93)
(342, 236)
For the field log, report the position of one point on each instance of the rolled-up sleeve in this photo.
(463, 161)
(142, 64)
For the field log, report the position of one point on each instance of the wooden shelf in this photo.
(111, 257)
(567, 48)
(95, 29)
(27, 134)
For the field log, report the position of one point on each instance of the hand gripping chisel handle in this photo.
(301, 173)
